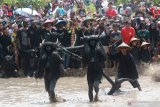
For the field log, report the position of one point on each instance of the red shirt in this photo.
(111, 13)
(158, 11)
(127, 34)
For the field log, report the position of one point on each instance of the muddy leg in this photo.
(96, 88)
(51, 90)
(136, 84)
(90, 92)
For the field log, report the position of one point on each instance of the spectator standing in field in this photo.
(143, 33)
(34, 34)
(154, 34)
(23, 40)
(60, 11)
(111, 12)
(127, 32)
(98, 5)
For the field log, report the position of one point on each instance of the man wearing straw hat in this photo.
(145, 54)
(127, 67)
(87, 27)
(47, 33)
(135, 51)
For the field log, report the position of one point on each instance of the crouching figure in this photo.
(9, 67)
(127, 70)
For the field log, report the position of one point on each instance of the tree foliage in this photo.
(124, 1)
(26, 3)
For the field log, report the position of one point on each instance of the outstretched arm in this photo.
(68, 50)
(75, 56)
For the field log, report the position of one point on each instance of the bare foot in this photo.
(91, 101)
(53, 100)
(60, 99)
(139, 88)
(96, 98)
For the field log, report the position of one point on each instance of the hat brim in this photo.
(146, 45)
(45, 23)
(90, 19)
(122, 47)
(61, 22)
(135, 40)
(110, 3)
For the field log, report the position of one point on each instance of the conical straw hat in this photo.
(145, 43)
(134, 39)
(123, 45)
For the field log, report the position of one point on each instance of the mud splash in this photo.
(16, 92)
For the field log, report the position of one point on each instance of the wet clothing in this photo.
(154, 36)
(79, 34)
(35, 38)
(1, 54)
(5, 41)
(24, 39)
(46, 35)
(115, 41)
(66, 37)
(127, 66)
(115, 36)
(95, 59)
(66, 42)
(135, 51)
(9, 67)
(94, 75)
(45, 67)
(145, 55)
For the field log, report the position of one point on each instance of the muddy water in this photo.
(27, 92)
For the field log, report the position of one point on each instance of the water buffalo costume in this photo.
(94, 57)
(127, 67)
(51, 66)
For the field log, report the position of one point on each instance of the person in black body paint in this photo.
(49, 56)
(94, 57)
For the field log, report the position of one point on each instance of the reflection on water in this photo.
(27, 92)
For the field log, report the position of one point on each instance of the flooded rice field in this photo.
(27, 92)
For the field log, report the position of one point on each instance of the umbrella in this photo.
(61, 22)
(27, 12)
